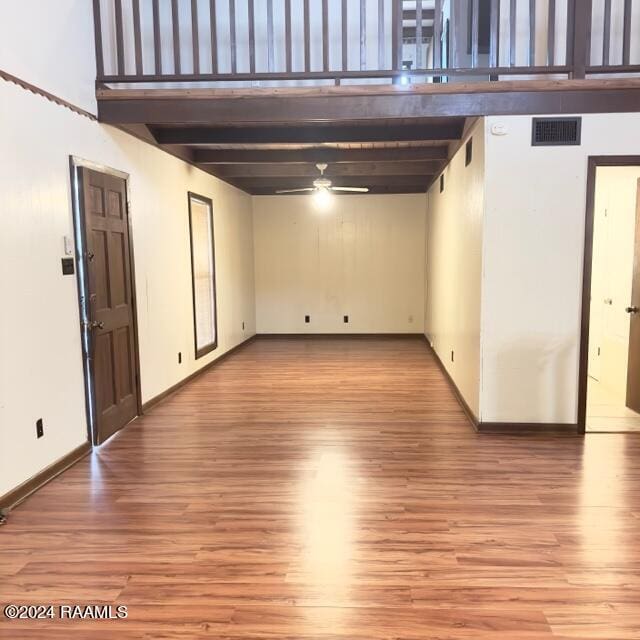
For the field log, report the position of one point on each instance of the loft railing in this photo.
(352, 41)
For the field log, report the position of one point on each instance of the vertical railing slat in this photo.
(97, 32)
(606, 35)
(381, 42)
(475, 28)
(437, 35)
(532, 33)
(213, 23)
(119, 38)
(571, 18)
(626, 33)
(345, 40)
(418, 34)
(270, 40)
(325, 35)
(454, 54)
(232, 36)
(137, 35)
(287, 36)
(512, 32)
(195, 36)
(307, 37)
(157, 38)
(581, 37)
(176, 36)
(363, 34)
(396, 39)
(252, 36)
(494, 34)
(551, 34)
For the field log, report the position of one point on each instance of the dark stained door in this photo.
(112, 356)
(633, 368)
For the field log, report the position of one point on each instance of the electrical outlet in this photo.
(307, 319)
(179, 357)
(39, 428)
(410, 319)
(346, 319)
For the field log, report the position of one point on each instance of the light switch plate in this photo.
(68, 246)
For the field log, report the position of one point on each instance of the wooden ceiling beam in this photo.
(274, 183)
(368, 102)
(451, 130)
(428, 167)
(319, 154)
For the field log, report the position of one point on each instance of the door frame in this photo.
(82, 281)
(583, 376)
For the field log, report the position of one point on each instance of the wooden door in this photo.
(112, 353)
(633, 368)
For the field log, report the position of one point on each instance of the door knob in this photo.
(632, 309)
(94, 324)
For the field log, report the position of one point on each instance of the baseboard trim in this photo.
(528, 428)
(14, 497)
(504, 428)
(341, 335)
(471, 416)
(167, 392)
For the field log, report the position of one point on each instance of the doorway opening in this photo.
(106, 294)
(610, 344)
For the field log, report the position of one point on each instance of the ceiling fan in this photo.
(323, 185)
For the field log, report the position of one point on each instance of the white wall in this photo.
(50, 44)
(454, 268)
(363, 258)
(41, 366)
(612, 276)
(535, 200)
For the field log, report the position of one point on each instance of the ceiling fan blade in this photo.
(295, 190)
(352, 189)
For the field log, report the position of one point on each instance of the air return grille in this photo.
(553, 132)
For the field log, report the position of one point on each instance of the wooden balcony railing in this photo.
(351, 41)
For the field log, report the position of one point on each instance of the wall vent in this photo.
(556, 132)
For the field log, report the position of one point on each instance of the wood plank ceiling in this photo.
(386, 156)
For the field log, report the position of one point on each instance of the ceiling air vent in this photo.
(555, 132)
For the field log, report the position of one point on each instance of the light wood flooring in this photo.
(332, 488)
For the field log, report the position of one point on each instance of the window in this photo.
(203, 274)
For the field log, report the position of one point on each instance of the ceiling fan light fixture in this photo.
(322, 199)
(323, 189)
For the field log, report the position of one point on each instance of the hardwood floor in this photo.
(332, 488)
